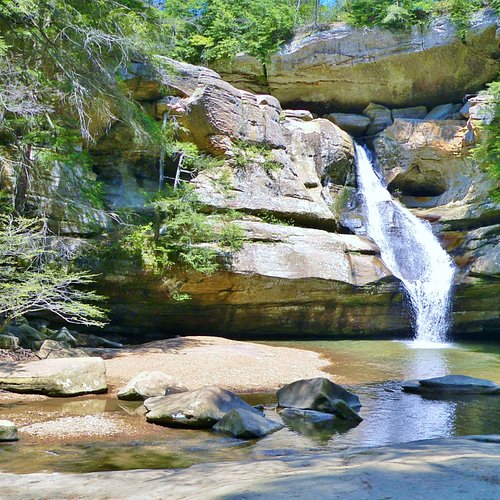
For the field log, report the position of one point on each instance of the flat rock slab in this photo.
(200, 408)
(461, 468)
(244, 424)
(55, 377)
(451, 384)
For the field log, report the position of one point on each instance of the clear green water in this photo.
(371, 369)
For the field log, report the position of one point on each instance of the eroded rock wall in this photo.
(346, 68)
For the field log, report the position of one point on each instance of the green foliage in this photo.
(246, 153)
(213, 29)
(272, 219)
(34, 278)
(487, 151)
(404, 14)
(192, 158)
(460, 12)
(182, 236)
(60, 62)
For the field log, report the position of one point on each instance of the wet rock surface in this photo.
(244, 424)
(459, 467)
(452, 384)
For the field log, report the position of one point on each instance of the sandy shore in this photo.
(198, 361)
(193, 362)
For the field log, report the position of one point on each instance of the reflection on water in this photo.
(371, 369)
(396, 417)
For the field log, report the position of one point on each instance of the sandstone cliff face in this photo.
(345, 68)
(285, 280)
(306, 279)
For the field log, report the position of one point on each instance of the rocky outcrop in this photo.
(345, 68)
(428, 160)
(55, 377)
(285, 279)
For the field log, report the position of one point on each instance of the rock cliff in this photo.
(345, 68)
(284, 166)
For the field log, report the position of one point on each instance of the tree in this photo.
(34, 277)
(214, 29)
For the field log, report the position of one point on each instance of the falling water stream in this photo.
(411, 252)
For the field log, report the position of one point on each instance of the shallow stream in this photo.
(371, 369)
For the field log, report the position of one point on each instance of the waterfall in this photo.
(411, 252)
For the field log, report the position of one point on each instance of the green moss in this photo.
(247, 153)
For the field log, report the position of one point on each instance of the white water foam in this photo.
(412, 253)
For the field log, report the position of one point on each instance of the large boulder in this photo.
(317, 152)
(344, 68)
(452, 384)
(200, 408)
(380, 118)
(355, 125)
(443, 112)
(149, 384)
(241, 423)
(319, 394)
(55, 377)
(9, 342)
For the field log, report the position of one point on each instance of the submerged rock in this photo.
(8, 431)
(200, 408)
(149, 384)
(454, 384)
(244, 424)
(316, 425)
(319, 394)
(55, 377)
